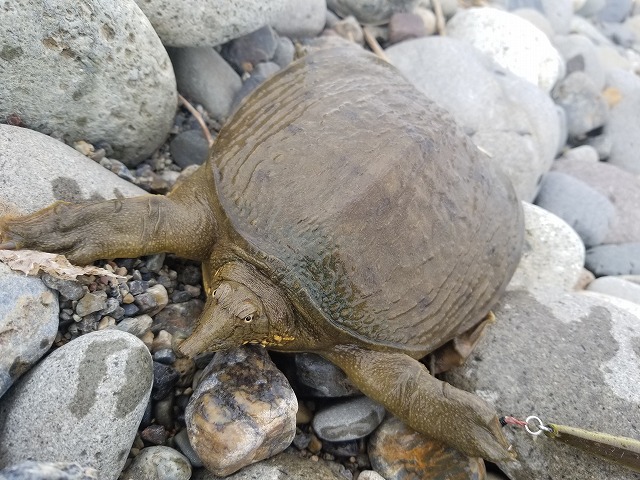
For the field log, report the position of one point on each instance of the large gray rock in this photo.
(207, 23)
(28, 323)
(553, 254)
(38, 170)
(83, 404)
(616, 287)
(371, 12)
(94, 71)
(568, 358)
(509, 118)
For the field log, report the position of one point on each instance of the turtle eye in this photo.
(248, 318)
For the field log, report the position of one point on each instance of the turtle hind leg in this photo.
(442, 412)
(454, 353)
(121, 228)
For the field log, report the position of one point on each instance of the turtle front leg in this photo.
(124, 228)
(405, 388)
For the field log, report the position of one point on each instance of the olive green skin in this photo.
(365, 203)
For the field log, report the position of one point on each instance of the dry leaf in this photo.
(32, 262)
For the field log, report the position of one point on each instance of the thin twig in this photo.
(437, 8)
(198, 117)
(374, 45)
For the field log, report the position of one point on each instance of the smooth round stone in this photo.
(246, 52)
(537, 18)
(26, 180)
(584, 106)
(371, 12)
(286, 466)
(624, 122)
(153, 300)
(321, 377)
(580, 55)
(285, 51)
(514, 43)
(557, 12)
(619, 259)
(206, 23)
(553, 253)
(189, 148)
(591, 7)
(586, 210)
(565, 356)
(509, 118)
(28, 322)
(348, 420)
(243, 411)
(183, 443)
(31, 470)
(159, 463)
(370, 475)
(97, 73)
(406, 26)
(622, 190)
(399, 453)
(301, 18)
(616, 287)
(83, 403)
(615, 10)
(583, 153)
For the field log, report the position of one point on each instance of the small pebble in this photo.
(616, 287)
(91, 302)
(406, 26)
(153, 300)
(162, 340)
(154, 434)
(183, 443)
(245, 52)
(137, 326)
(165, 356)
(30, 470)
(165, 378)
(370, 475)
(159, 463)
(348, 420)
(68, 288)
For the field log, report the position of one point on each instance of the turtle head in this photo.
(240, 311)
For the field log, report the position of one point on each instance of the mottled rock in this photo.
(321, 377)
(301, 18)
(243, 411)
(91, 302)
(285, 466)
(580, 55)
(103, 57)
(562, 348)
(348, 420)
(28, 323)
(83, 403)
(622, 190)
(178, 318)
(553, 253)
(371, 12)
(189, 148)
(166, 356)
(620, 259)
(512, 42)
(153, 300)
(511, 119)
(26, 182)
(30, 470)
(398, 453)
(584, 106)
(206, 78)
(183, 443)
(206, 23)
(246, 52)
(616, 287)
(370, 475)
(154, 434)
(137, 326)
(68, 288)
(406, 26)
(587, 211)
(158, 463)
(165, 378)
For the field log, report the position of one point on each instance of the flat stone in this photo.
(207, 23)
(83, 403)
(285, 466)
(398, 453)
(586, 210)
(562, 348)
(189, 148)
(159, 463)
(583, 153)
(371, 12)
(301, 18)
(97, 73)
(348, 420)
(616, 287)
(620, 259)
(512, 42)
(38, 170)
(28, 323)
(495, 107)
(31, 470)
(553, 253)
(182, 442)
(584, 105)
(321, 377)
(243, 411)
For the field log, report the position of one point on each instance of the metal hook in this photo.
(540, 426)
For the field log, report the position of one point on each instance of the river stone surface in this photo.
(28, 323)
(83, 403)
(96, 72)
(158, 463)
(399, 453)
(243, 411)
(562, 348)
(37, 170)
(30, 470)
(513, 42)
(509, 118)
(348, 420)
(207, 23)
(301, 18)
(616, 287)
(371, 12)
(286, 466)
(553, 253)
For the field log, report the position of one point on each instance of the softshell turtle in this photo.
(340, 212)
